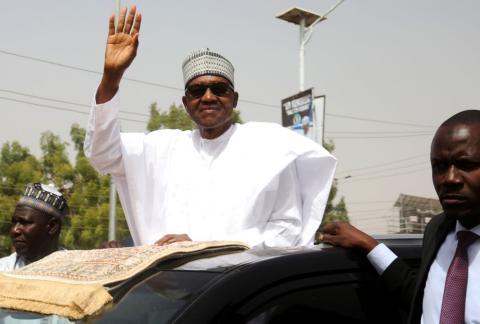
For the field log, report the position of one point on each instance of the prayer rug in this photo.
(75, 283)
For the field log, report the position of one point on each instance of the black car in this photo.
(321, 284)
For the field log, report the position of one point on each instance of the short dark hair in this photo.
(465, 117)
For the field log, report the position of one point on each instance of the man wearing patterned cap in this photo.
(257, 182)
(36, 225)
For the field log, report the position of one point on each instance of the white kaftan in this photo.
(14, 261)
(11, 262)
(258, 182)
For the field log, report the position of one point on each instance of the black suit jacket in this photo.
(406, 285)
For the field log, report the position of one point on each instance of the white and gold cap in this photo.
(205, 62)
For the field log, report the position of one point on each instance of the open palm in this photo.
(122, 42)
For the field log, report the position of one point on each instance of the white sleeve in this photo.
(381, 257)
(284, 225)
(102, 141)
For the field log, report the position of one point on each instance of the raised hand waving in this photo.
(122, 44)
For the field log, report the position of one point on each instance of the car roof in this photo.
(208, 284)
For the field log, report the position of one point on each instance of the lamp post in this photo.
(306, 20)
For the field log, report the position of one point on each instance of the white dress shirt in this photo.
(381, 257)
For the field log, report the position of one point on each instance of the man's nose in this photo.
(16, 229)
(452, 175)
(208, 95)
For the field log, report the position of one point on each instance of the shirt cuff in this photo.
(381, 257)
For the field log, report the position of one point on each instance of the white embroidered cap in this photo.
(45, 198)
(205, 62)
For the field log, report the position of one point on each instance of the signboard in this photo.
(297, 113)
(303, 113)
(319, 117)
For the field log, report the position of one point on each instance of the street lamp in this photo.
(306, 20)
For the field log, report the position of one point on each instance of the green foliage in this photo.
(55, 164)
(236, 118)
(17, 167)
(176, 118)
(87, 192)
(333, 212)
(338, 214)
(329, 146)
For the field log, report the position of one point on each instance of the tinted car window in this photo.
(157, 299)
(345, 303)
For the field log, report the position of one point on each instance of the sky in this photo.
(391, 72)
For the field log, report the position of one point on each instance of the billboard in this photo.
(303, 113)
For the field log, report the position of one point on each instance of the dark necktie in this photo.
(453, 303)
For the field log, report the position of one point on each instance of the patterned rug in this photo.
(75, 283)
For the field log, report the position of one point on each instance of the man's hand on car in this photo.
(345, 235)
(172, 238)
(111, 244)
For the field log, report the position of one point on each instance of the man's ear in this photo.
(53, 226)
(184, 100)
(235, 99)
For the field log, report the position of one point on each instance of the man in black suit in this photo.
(446, 288)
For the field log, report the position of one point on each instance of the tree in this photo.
(176, 118)
(17, 167)
(87, 192)
(333, 212)
(89, 202)
(338, 214)
(55, 164)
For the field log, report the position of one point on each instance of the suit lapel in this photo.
(433, 242)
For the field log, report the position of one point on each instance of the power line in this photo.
(385, 176)
(365, 210)
(354, 175)
(61, 108)
(379, 137)
(367, 202)
(383, 164)
(76, 68)
(64, 101)
(64, 226)
(405, 133)
(370, 218)
(378, 132)
(154, 84)
(379, 121)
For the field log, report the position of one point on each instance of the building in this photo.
(412, 213)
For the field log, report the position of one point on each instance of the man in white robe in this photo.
(258, 182)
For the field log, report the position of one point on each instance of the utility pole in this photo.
(112, 214)
(306, 20)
